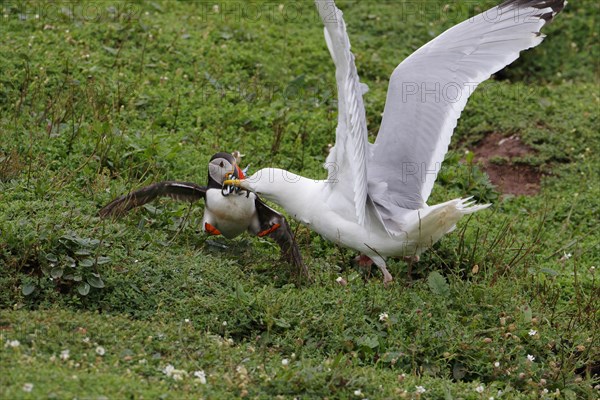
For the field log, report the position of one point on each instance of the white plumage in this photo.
(374, 199)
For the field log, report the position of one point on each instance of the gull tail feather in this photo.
(467, 206)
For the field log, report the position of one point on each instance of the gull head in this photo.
(283, 187)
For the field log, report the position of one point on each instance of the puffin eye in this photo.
(221, 164)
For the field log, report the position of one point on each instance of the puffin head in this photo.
(223, 166)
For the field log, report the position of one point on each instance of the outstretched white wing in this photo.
(347, 161)
(429, 89)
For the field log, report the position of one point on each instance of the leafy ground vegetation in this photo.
(99, 98)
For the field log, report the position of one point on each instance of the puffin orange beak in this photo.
(239, 173)
(235, 173)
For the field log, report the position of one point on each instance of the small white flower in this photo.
(187, 320)
(240, 369)
(358, 392)
(420, 389)
(177, 375)
(168, 370)
(216, 8)
(64, 355)
(497, 364)
(285, 362)
(100, 350)
(530, 358)
(28, 387)
(567, 255)
(383, 317)
(12, 343)
(532, 332)
(224, 323)
(545, 391)
(86, 340)
(341, 281)
(201, 375)
(479, 389)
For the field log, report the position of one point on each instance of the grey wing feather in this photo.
(347, 161)
(182, 191)
(429, 90)
(283, 235)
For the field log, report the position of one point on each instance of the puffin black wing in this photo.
(183, 191)
(274, 225)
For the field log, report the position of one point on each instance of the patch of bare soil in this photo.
(500, 158)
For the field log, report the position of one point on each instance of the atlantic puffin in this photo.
(229, 211)
(374, 199)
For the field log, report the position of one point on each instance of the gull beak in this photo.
(233, 182)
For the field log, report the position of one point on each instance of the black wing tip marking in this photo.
(556, 6)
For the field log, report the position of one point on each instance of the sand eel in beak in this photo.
(374, 199)
(229, 210)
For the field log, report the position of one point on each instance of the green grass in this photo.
(95, 101)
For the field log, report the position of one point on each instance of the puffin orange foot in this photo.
(211, 230)
(272, 229)
(363, 261)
